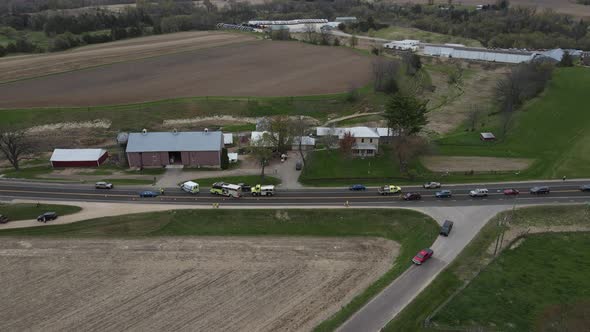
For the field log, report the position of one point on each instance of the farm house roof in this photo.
(77, 154)
(179, 141)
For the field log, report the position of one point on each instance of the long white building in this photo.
(481, 54)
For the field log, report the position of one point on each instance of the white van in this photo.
(190, 187)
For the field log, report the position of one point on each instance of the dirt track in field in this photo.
(26, 66)
(255, 68)
(190, 284)
(477, 164)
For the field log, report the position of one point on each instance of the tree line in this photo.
(499, 26)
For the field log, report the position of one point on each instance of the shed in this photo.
(487, 136)
(78, 157)
(228, 139)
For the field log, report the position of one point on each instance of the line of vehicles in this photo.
(238, 190)
(446, 193)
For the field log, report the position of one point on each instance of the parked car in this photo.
(510, 192)
(103, 185)
(539, 190)
(148, 193)
(431, 185)
(443, 194)
(246, 188)
(298, 166)
(422, 256)
(446, 228)
(585, 187)
(357, 187)
(412, 197)
(45, 217)
(3, 219)
(480, 192)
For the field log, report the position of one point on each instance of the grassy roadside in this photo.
(411, 229)
(23, 211)
(476, 257)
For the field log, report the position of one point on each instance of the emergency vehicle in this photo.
(259, 190)
(389, 190)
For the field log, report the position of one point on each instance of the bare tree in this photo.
(347, 143)
(262, 151)
(408, 148)
(325, 37)
(385, 73)
(354, 40)
(310, 33)
(300, 130)
(330, 139)
(13, 145)
(280, 132)
(473, 116)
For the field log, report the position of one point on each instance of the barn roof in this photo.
(77, 154)
(177, 142)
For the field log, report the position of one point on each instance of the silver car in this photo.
(103, 185)
(431, 185)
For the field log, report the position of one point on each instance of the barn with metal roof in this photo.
(161, 149)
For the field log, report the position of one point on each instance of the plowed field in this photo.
(191, 284)
(252, 68)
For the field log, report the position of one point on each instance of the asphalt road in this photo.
(567, 191)
(469, 215)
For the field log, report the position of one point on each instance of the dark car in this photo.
(443, 194)
(412, 196)
(422, 256)
(446, 228)
(298, 166)
(45, 217)
(511, 192)
(357, 187)
(539, 190)
(3, 219)
(246, 188)
(585, 187)
(148, 193)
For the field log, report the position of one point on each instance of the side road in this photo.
(387, 304)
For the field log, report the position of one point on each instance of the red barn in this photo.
(78, 157)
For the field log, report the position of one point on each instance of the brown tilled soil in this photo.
(477, 164)
(26, 66)
(189, 284)
(256, 68)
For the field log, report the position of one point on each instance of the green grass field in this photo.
(554, 129)
(512, 293)
(152, 114)
(31, 211)
(412, 230)
(332, 168)
(400, 33)
(475, 257)
(248, 179)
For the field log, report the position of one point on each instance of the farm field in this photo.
(27, 66)
(256, 68)
(199, 284)
(411, 229)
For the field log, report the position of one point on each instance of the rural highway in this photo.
(469, 215)
(567, 191)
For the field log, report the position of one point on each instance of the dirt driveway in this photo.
(477, 164)
(189, 284)
(255, 68)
